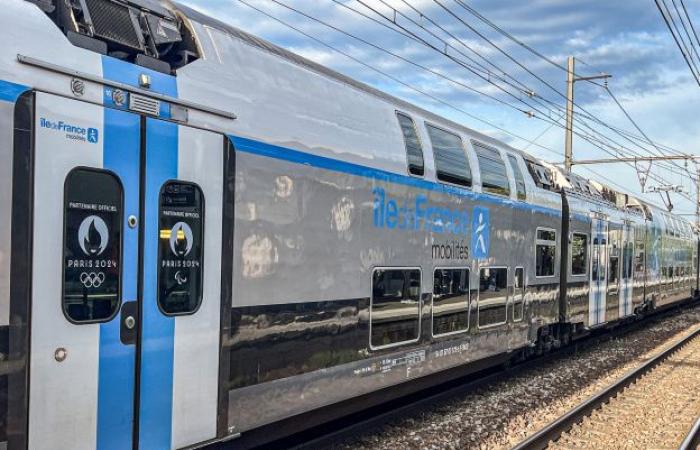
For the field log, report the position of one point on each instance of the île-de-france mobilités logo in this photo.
(481, 239)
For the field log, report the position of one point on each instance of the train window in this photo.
(518, 294)
(539, 175)
(519, 179)
(414, 150)
(493, 296)
(639, 254)
(92, 245)
(494, 177)
(180, 248)
(450, 301)
(627, 257)
(599, 259)
(579, 254)
(545, 252)
(451, 161)
(614, 259)
(395, 307)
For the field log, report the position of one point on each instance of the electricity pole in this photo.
(571, 78)
(568, 154)
(697, 198)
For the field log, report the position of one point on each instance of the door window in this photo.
(181, 228)
(518, 294)
(92, 236)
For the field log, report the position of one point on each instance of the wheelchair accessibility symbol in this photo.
(480, 233)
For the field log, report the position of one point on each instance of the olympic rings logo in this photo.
(92, 279)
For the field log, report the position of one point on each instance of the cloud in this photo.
(626, 39)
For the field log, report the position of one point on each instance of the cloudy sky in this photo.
(627, 39)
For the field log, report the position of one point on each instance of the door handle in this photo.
(128, 329)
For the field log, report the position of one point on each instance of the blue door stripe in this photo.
(156, 377)
(115, 401)
(157, 345)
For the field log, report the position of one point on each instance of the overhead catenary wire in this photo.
(456, 38)
(522, 44)
(422, 15)
(690, 21)
(690, 48)
(666, 15)
(395, 79)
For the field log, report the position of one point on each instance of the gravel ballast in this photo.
(501, 414)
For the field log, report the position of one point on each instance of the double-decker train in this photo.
(204, 237)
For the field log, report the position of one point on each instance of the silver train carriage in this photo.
(205, 237)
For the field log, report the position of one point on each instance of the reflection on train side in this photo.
(450, 301)
(493, 296)
(395, 307)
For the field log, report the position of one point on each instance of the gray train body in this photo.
(219, 251)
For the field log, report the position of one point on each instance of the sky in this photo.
(627, 39)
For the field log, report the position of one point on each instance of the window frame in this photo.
(615, 236)
(428, 125)
(469, 303)
(524, 292)
(120, 291)
(478, 298)
(371, 302)
(478, 144)
(571, 254)
(405, 144)
(514, 164)
(203, 257)
(547, 243)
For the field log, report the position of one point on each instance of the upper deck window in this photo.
(451, 161)
(519, 179)
(540, 175)
(494, 178)
(414, 150)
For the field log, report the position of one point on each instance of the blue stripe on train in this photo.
(295, 156)
(115, 405)
(10, 92)
(158, 337)
(156, 377)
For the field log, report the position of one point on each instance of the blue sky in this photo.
(627, 39)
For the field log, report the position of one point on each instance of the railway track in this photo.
(653, 406)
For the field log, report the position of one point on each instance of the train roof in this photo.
(263, 44)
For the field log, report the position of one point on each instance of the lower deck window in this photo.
(493, 296)
(450, 301)
(395, 307)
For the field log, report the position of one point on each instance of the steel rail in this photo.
(561, 425)
(692, 440)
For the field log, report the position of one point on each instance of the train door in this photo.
(126, 279)
(627, 276)
(597, 299)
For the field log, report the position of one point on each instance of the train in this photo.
(206, 238)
